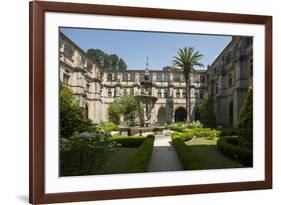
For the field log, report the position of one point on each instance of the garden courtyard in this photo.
(102, 149)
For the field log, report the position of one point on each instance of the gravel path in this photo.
(164, 156)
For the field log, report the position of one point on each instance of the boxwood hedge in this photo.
(129, 141)
(230, 147)
(140, 161)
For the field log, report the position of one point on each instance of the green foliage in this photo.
(207, 115)
(108, 127)
(125, 106)
(245, 125)
(196, 132)
(228, 132)
(188, 159)
(231, 148)
(107, 61)
(195, 124)
(186, 59)
(84, 154)
(129, 141)
(177, 128)
(129, 108)
(72, 116)
(141, 159)
(186, 136)
(114, 112)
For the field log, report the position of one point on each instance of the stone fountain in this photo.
(146, 99)
(145, 106)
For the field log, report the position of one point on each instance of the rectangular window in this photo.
(125, 77)
(159, 77)
(183, 93)
(132, 77)
(201, 94)
(159, 94)
(165, 93)
(178, 95)
(109, 93)
(177, 78)
(125, 91)
(141, 77)
(66, 78)
(166, 77)
(68, 51)
(142, 91)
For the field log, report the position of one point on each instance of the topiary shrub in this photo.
(245, 125)
(207, 115)
(129, 141)
(231, 148)
(140, 161)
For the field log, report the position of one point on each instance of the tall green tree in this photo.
(125, 106)
(245, 124)
(107, 61)
(186, 59)
(121, 64)
(72, 117)
(206, 110)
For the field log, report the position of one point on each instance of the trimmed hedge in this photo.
(108, 127)
(129, 141)
(201, 132)
(228, 132)
(186, 136)
(229, 146)
(140, 161)
(177, 128)
(188, 159)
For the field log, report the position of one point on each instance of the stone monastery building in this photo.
(226, 79)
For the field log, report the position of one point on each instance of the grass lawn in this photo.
(209, 154)
(119, 161)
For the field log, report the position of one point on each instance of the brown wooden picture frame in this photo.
(37, 193)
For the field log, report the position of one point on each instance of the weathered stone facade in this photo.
(97, 88)
(229, 77)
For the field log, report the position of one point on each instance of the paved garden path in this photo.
(164, 156)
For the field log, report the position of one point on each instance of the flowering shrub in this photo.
(84, 154)
(195, 124)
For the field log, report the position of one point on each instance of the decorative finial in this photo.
(146, 67)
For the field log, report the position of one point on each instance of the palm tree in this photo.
(186, 59)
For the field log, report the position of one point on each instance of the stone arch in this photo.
(162, 116)
(180, 114)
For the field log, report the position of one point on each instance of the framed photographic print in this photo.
(138, 102)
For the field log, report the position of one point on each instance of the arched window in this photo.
(202, 79)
